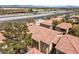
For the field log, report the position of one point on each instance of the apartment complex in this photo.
(44, 39)
(49, 41)
(54, 41)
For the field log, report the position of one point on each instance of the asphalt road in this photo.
(28, 15)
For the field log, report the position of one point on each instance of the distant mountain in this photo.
(22, 6)
(36, 6)
(68, 6)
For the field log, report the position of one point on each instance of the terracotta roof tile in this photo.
(64, 25)
(57, 18)
(68, 44)
(1, 38)
(47, 22)
(50, 21)
(75, 42)
(34, 51)
(44, 34)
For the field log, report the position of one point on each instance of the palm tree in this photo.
(17, 38)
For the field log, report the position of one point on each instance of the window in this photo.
(35, 44)
(43, 47)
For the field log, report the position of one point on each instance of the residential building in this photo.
(75, 19)
(68, 44)
(2, 38)
(47, 23)
(44, 39)
(64, 27)
(58, 18)
(34, 51)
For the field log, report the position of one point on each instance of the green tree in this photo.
(30, 20)
(30, 10)
(17, 38)
(55, 23)
(47, 17)
(75, 30)
(67, 21)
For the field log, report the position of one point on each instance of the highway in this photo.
(30, 15)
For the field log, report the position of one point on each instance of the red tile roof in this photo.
(47, 22)
(1, 38)
(68, 44)
(64, 25)
(50, 21)
(34, 51)
(57, 18)
(44, 34)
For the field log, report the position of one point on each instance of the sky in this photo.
(40, 2)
